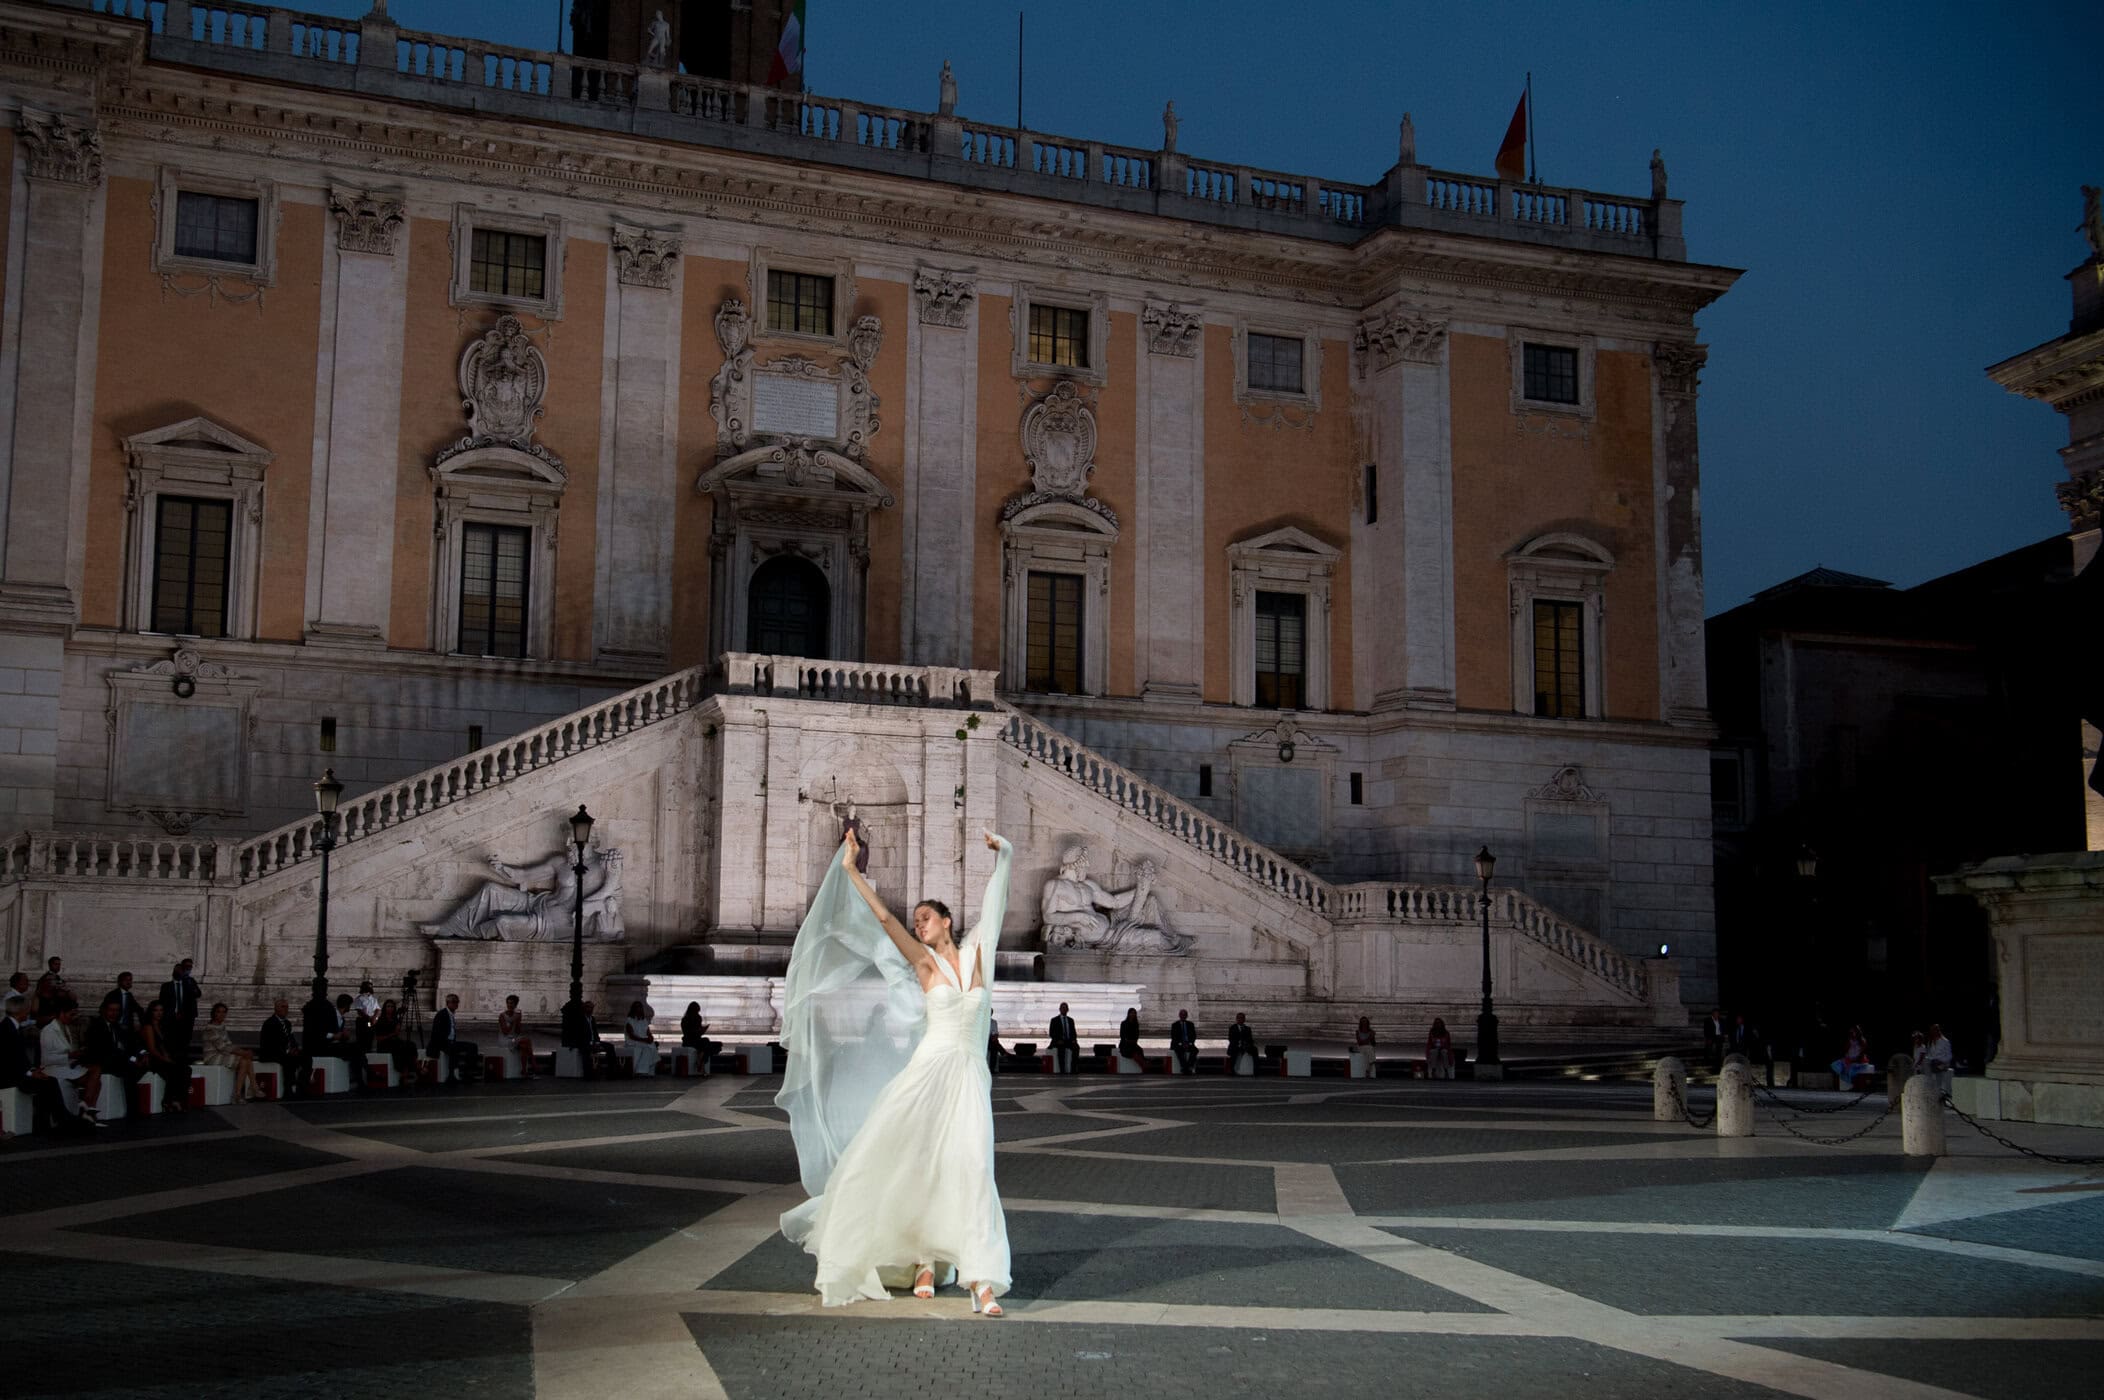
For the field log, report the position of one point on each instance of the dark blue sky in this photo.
(1899, 181)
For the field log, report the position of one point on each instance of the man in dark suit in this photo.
(445, 1040)
(1744, 1039)
(118, 1052)
(327, 1035)
(1066, 1047)
(179, 995)
(1241, 1040)
(581, 1033)
(281, 1047)
(129, 1012)
(1183, 1042)
(47, 1105)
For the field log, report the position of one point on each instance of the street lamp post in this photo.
(326, 794)
(581, 834)
(1486, 1019)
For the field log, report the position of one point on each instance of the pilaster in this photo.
(942, 432)
(358, 401)
(638, 473)
(1676, 477)
(1404, 357)
(1169, 528)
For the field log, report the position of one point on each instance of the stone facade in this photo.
(706, 409)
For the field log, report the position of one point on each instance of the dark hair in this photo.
(941, 910)
(217, 1007)
(635, 1008)
(693, 1008)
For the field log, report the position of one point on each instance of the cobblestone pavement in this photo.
(1172, 1237)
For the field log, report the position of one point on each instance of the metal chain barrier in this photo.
(1779, 1101)
(1984, 1131)
(1682, 1105)
(1786, 1126)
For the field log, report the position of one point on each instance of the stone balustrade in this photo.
(374, 57)
(1383, 903)
(856, 682)
(32, 855)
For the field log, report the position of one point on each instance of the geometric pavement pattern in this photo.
(1172, 1237)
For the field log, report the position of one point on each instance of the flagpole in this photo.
(1533, 148)
(1019, 68)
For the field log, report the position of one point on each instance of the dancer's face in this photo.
(930, 927)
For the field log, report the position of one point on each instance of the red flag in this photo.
(1512, 152)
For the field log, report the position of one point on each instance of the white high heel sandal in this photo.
(924, 1290)
(983, 1300)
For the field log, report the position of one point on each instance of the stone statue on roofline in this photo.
(659, 53)
(1658, 174)
(1406, 142)
(946, 101)
(1169, 125)
(2093, 220)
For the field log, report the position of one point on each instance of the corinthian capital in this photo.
(643, 257)
(943, 297)
(60, 148)
(366, 223)
(1171, 329)
(1679, 367)
(1399, 338)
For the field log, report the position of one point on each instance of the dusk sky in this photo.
(1900, 183)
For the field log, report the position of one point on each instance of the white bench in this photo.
(218, 1082)
(1245, 1064)
(1299, 1064)
(569, 1063)
(330, 1075)
(270, 1078)
(17, 1110)
(1121, 1065)
(1362, 1064)
(505, 1064)
(687, 1061)
(435, 1070)
(759, 1059)
(380, 1072)
(642, 1055)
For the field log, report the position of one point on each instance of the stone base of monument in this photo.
(2046, 916)
(484, 973)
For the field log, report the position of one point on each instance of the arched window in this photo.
(787, 606)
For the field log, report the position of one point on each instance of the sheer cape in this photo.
(853, 1013)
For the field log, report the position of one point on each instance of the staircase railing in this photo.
(1040, 743)
(487, 767)
(1382, 902)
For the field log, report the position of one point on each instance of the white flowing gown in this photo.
(890, 1101)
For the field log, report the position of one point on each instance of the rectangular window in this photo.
(1358, 790)
(1205, 780)
(800, 302)
(474, 737)
(493, 585)
(1727, 803)
(328, 733)
(217, 227)
(1282, 649)
(1059, 335)
(1373, 494)
(1054, 641)
(1559, 662)
(1551, 373)
(508, 264)
(1274, 363)
(190, 542)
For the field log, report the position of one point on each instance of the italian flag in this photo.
(789, 54)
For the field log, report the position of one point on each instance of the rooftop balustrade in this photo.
(376, 58)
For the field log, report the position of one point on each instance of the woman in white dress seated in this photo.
(888, 1093)
(637, 1039)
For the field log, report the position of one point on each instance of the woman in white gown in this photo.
(888, 1093)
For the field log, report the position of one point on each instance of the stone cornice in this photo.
(338, 134)
(2065, 373)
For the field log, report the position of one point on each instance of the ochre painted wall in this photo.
(1511, 484)
(165, 354)
(1259, 478)
(434, 335)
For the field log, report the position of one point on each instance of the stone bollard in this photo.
(1735, 1058)
(1669, 1090)
(1921, 1118)
(1897, 1069)
(1735, 1101)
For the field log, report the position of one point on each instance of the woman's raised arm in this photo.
(910, 947)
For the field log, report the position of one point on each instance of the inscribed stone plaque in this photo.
(178, 756)
(1281, 807)
(1568, 838)
(2064, 988)
(795, 407)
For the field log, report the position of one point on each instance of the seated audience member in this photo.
(390, 1039)
(117, 1052)
(581, 1033)
(1065, 1042)
(1183, 1042)
(694, 1032)
(1129, 1038)
(64, 1056)
(18, 986)
(1937, 1059)
(511, 1035)
(280, 1046)
(129, 1011)
(1855, 1059)
(165, 1059)
(1363, 1044)
(445, 1040)
(329, 1035)
(1439, 1051)
(220, 1050)
(1241, 1042)
(637, 1039)
(18, 1070)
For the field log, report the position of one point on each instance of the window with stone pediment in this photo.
(1279, 619)
(193, 538)
(1558, 592)
(801, 296)
(1055, 637)
(508, 259)
(1061, 331)
(498, 509)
